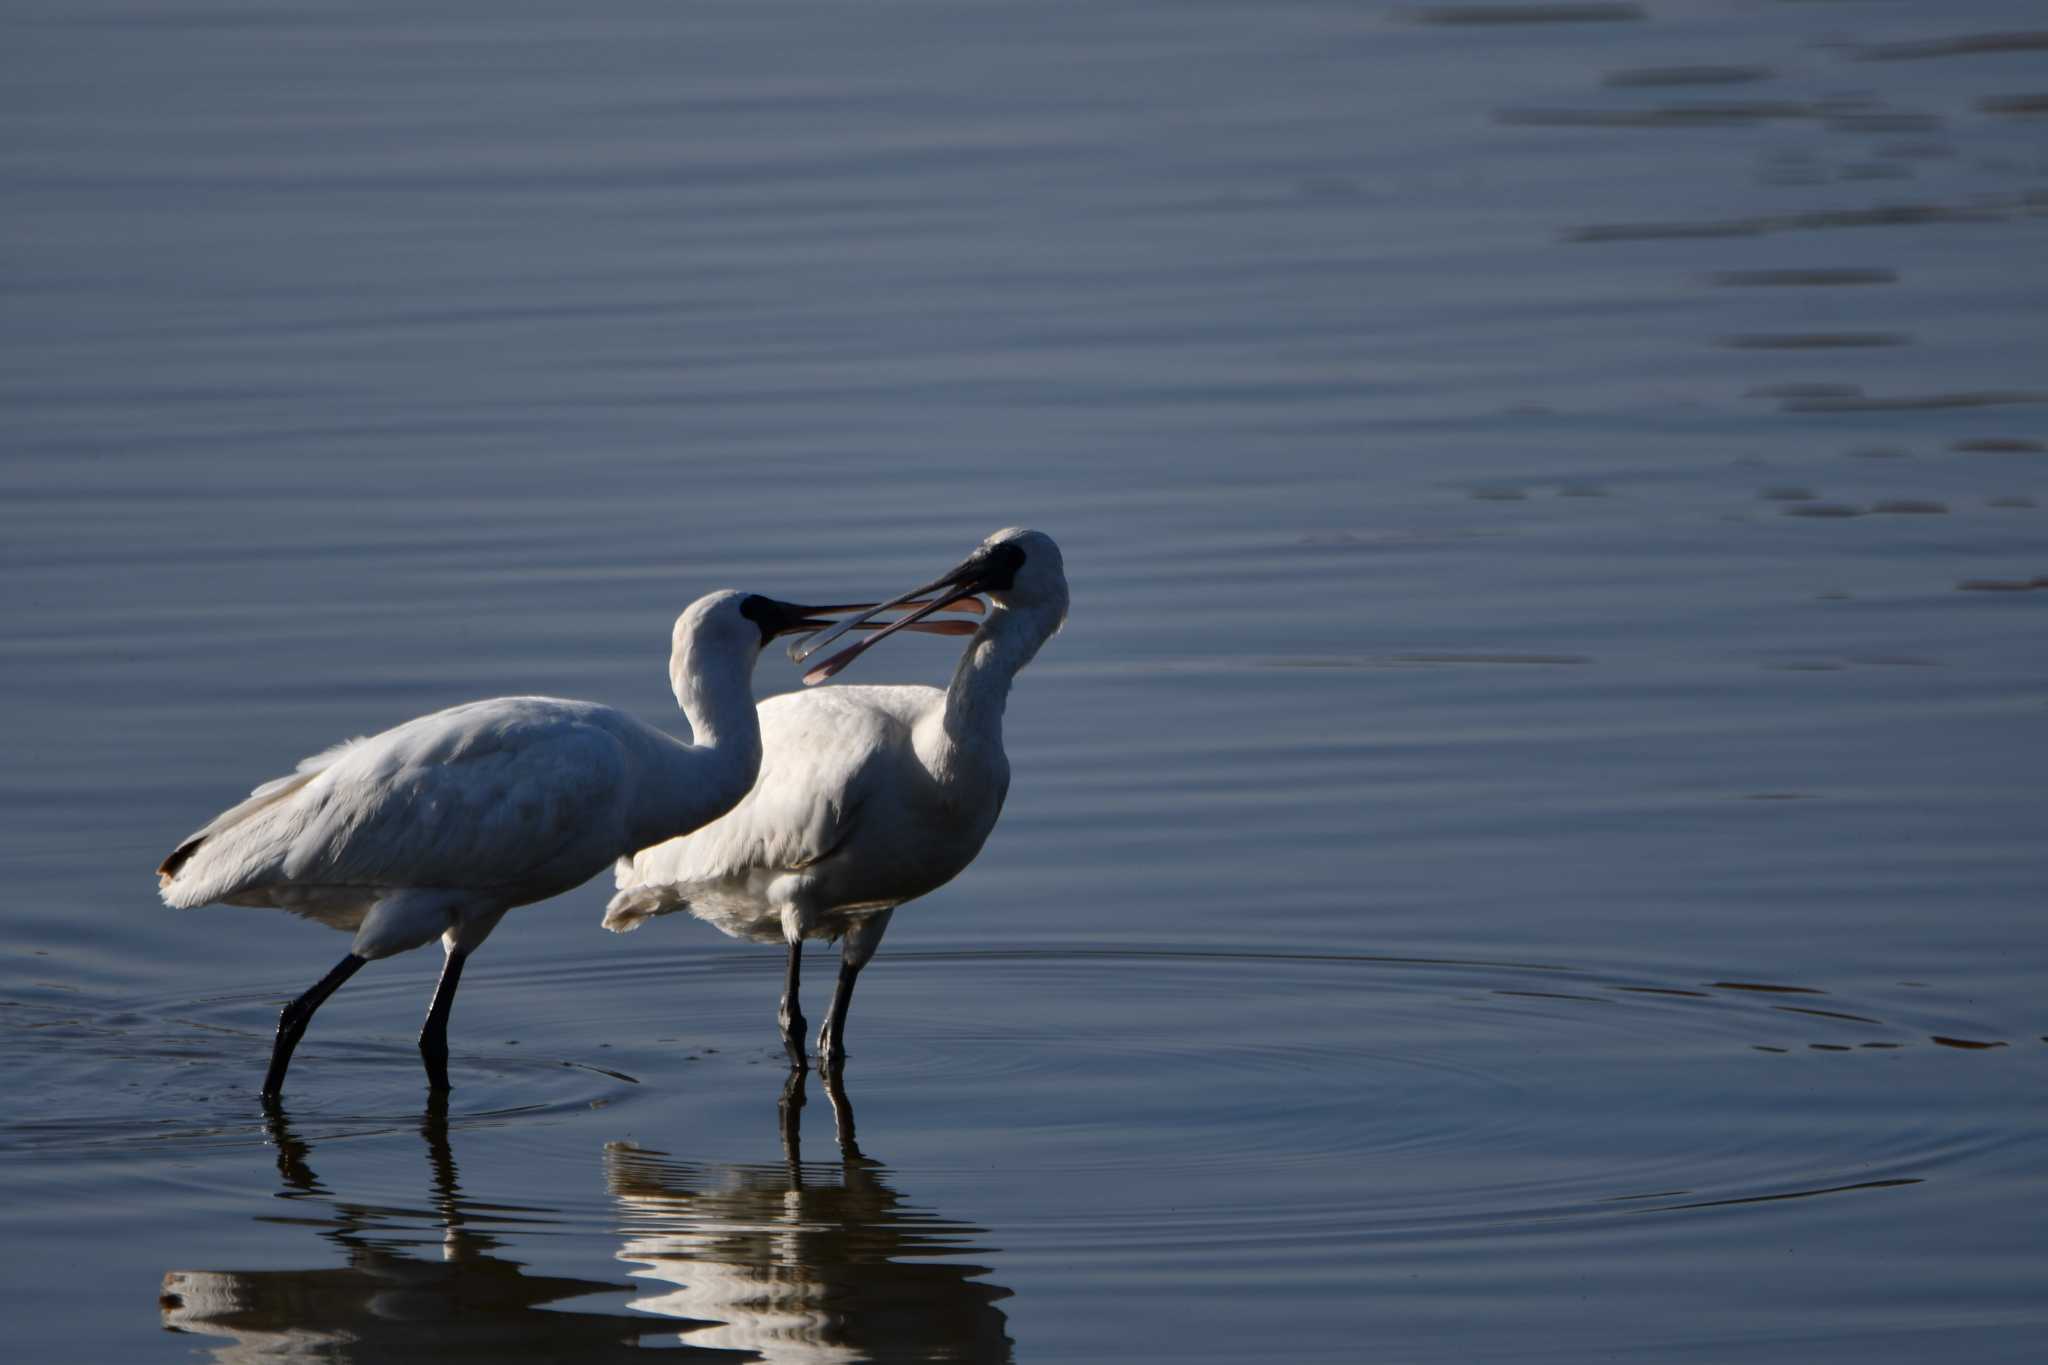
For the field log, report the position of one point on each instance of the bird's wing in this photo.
(494, 793)
(515, 791)
(265, 796)
(819, 749)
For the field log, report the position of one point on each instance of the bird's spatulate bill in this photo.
(914, 600)
(926, 627)
(961, 602)
(834, 664)
(914, 621)
(973, 606)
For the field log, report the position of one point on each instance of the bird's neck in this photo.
(968, 733)
(705, 778)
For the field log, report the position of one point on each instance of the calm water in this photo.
(1530, 846)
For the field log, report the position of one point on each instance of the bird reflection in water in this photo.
(803, 1262)
(390, 1303)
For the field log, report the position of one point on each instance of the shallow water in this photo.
(1530, 844)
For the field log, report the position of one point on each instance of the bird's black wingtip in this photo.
(179, 857)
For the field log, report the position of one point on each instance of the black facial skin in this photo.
(998, 570)
(771, 616)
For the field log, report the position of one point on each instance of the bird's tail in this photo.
(168, 869)
(199, 884)
(636, 905)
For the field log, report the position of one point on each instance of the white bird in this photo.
(436, 828)
(868, 796)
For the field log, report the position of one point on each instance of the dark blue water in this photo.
(1530, 845)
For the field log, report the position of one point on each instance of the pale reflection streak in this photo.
(803, 1263)
(388, 1302)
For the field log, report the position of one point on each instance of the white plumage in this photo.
(836, 824)
(867, 796)
(434, 829)
(494, 803)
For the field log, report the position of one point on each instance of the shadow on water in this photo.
(803, 1261)
(388, 1303)
(789, 1261)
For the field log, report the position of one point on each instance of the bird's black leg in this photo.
(291, 1024)
(434, 1037)
(832, 1038)
(791, 1015)
(861, 941)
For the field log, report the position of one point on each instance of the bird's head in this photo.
(1019, 570)
(742, 623)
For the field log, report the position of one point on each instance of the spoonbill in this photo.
(868, 796)
(434, 829)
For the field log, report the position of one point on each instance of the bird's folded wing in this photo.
(489, 808)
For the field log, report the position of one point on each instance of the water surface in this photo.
(1529, 846)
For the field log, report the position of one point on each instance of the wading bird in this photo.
(436, 828)
(868, 796)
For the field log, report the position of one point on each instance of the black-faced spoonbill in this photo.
(436, 828)
(868, 796)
